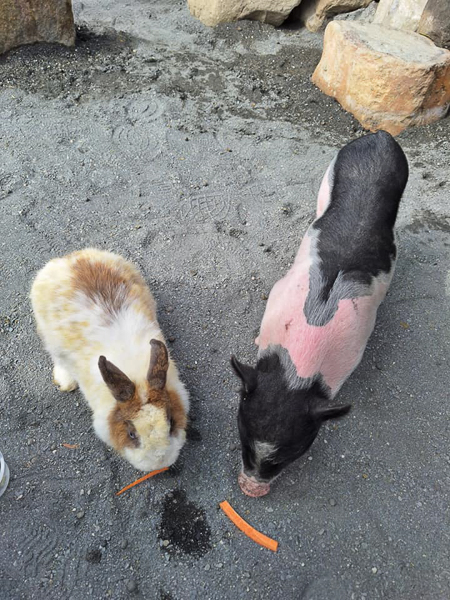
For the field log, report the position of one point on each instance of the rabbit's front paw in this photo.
(63, 379)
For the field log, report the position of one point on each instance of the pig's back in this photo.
(323, 311)
(355, 234)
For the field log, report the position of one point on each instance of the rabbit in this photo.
(97, 319)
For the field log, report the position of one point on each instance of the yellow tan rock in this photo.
(388, 79)
(213, 12)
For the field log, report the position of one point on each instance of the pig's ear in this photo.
(334, 412)
(245, 373)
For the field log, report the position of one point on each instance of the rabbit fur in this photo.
(97, 319)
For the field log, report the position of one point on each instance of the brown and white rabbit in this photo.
(98, 321)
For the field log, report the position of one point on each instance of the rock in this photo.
(131, 585)
(213, 12)
(430, 18)
(435, 22)
(313, 13)
(388, 79)
(360, 14)
(400, 14)
(32, 21)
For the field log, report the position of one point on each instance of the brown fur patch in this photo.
(157, 397)
(176, 412)
(112, 285)
(103, 283)
(119, 420)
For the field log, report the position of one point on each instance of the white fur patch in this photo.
(263, 451)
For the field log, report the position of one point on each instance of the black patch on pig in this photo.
(355, 236)
(185, 526)
(271, 411)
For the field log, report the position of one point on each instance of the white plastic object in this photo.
(4, 475)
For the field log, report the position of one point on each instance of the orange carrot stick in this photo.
(249, 531)
(151, 474)
(71, 446)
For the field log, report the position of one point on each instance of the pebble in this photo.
(332, 502)
(53, 447)
(131, 585)
(165, 543)
(171, 338)
(321, 531)
(374, 570)
(207, 567)
(80, 514)
(124, 544)
(219, 565)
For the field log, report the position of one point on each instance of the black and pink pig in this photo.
(320, 315)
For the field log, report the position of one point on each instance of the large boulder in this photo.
(29, 21)
(213, 12)
(314, 13)
(400, 14)
(435, 22)
(387, 78)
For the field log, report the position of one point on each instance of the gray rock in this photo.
(435, 22)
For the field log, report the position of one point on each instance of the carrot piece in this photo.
(71, 446)
(249, 531)
(151, 474)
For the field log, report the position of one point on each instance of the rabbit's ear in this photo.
(120, 386)
(159, 363)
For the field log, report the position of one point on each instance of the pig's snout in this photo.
(251, 487)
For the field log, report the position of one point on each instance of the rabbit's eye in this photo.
(132, 434)
(172, 425)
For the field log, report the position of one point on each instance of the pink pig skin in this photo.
(335, 349)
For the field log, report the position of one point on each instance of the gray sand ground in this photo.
(197, 154)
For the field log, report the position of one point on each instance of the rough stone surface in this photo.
(435, 22)
(314, 13)
(200, 150)
(29, 21)
(213, 12)
(388, 79)
(400, 14)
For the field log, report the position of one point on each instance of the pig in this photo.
(320, 315)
